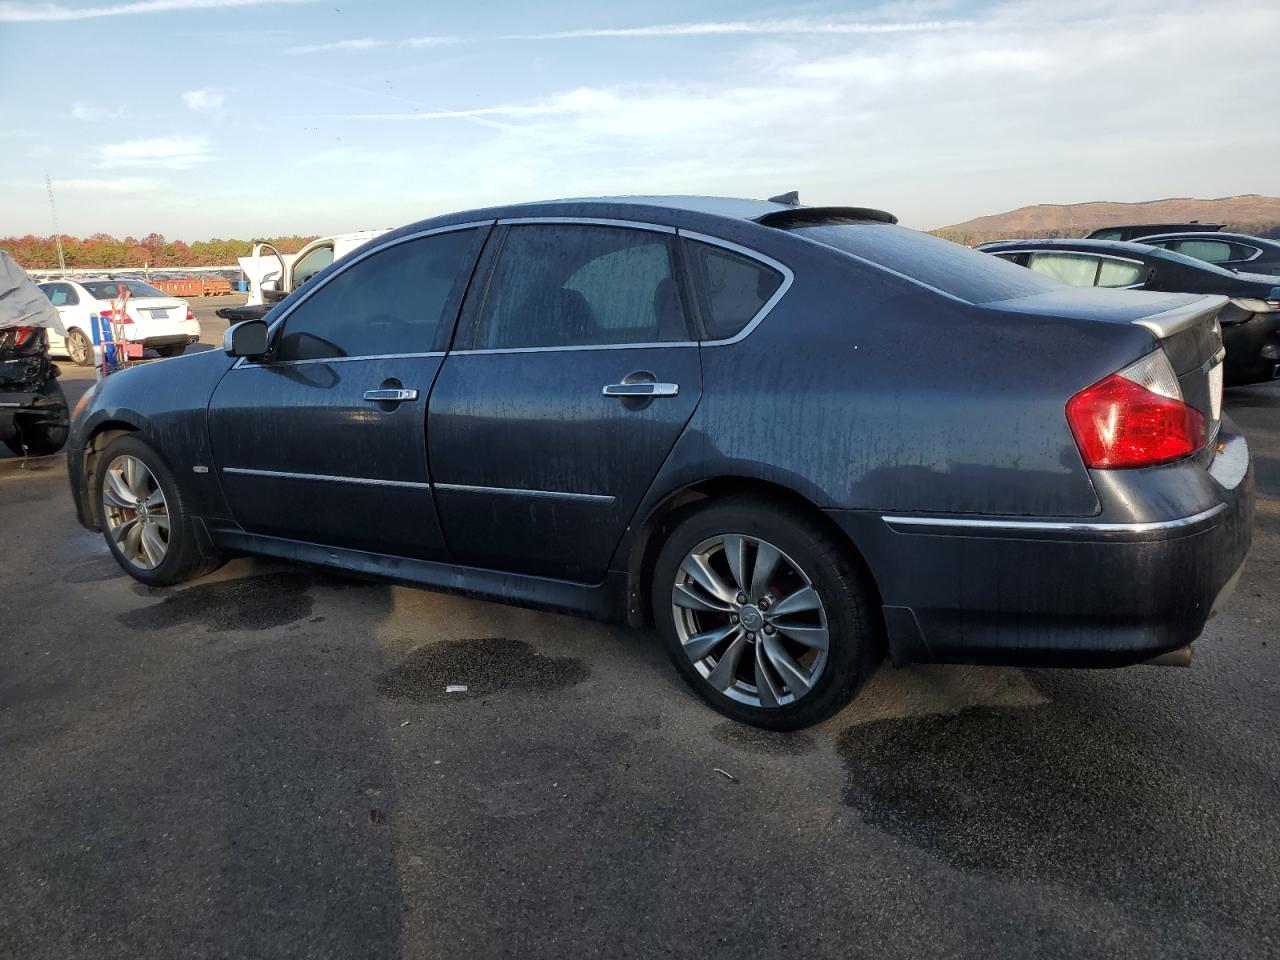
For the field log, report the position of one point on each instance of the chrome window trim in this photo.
(590, 221)
(572, 349)
(351, 260)
(536, 494)
(327, 478)
(1057, 526)
(788, 277)
(244, 361)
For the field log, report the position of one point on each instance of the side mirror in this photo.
(246, 339)
(271, 291)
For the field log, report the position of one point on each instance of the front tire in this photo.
(145, 521)
(765, 613)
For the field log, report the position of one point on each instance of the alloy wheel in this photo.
(136, 512)
(78, 348)
(750, 621)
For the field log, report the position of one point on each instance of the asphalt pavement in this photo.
(266, 763)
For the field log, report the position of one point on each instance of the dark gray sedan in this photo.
(792, 438)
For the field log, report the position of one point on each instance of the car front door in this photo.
(64, 298)
(572, 376)
(322, 441)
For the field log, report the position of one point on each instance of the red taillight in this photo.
(191, 314)
(1119, 423)
(117, 316)
(22, 334)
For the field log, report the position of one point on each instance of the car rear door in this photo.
(573, 374)
(322, 441)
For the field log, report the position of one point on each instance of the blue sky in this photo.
(200, 118)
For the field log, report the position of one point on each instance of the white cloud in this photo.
(164, 153)
(789, 25)
(56, 12)
(371, 43)
(206, 100)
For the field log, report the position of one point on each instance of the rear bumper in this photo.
(1106, 591)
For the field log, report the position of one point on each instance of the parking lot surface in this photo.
(266, 763)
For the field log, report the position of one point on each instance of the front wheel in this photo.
(765, 613)
(144, 518)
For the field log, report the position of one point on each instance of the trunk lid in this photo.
(1185, 326)
(155, 317)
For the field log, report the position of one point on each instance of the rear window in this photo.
(108, 289)
(943, 265)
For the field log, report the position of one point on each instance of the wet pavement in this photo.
(267, 762)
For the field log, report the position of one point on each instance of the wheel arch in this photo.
(647, 537)
(97, 441)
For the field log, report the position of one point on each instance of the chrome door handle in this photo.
(393, 396)
(643, 388)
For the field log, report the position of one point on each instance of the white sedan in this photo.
(152, 317)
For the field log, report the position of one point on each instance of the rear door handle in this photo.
(643, 388)
(391, 395)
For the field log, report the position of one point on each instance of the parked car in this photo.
(1250, 320)
(33, 409)
(1231, 251)
(152, 318)
(792, 437)
(1132, 231)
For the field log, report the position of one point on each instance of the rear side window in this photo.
(1107, 235)
(1119, 273)
(731, 288)
(392, 302)
(946, 266)
(571, 285)
(1210, 251)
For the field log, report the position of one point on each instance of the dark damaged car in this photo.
(33, 410)
(792, 438)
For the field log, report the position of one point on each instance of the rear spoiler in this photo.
(1171, 322)
(805, 216)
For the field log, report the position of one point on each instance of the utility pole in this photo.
(57, 234)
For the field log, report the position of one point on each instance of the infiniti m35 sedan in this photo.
(793, 438)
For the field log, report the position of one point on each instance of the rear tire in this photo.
(814, 592)
(172, 350)
(79, 348)
(43, 437)
(145, 520)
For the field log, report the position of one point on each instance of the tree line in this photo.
(103, 250)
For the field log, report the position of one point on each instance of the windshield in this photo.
(946, 266)
(109, 289)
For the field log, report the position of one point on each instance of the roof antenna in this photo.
(791, 198)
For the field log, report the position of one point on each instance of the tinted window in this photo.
(311, 264)
(1118, 273)
(1077, 269)
(943, 265)
(1107, 235)
(392, 302)
(60, 295)
(581, 285)
(1210, 251)
(731, 287)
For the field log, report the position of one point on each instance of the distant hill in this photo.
(1250, 213)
